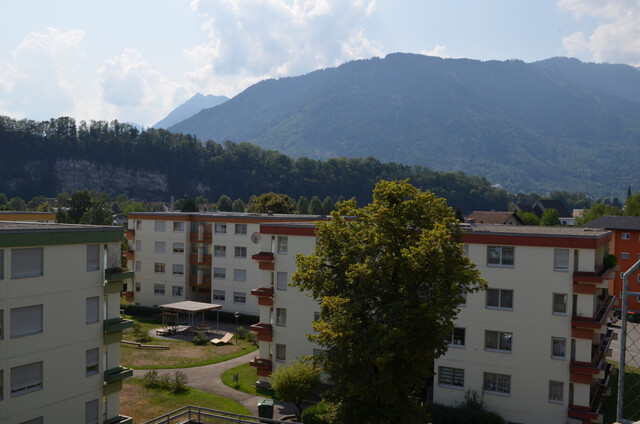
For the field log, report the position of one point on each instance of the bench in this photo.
(224, 340)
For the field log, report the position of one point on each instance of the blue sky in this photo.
(136, 60)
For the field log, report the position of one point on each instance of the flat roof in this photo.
(536, 230)
(29, 233)
(191, 306)
(230, 215)
(615, 223)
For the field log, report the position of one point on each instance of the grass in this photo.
(247, 377)
(181, 354)
(144, 404)
(631, 396)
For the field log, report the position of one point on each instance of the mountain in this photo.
(554, 124)
(189, 108)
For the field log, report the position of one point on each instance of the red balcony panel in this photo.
(193, 259)
(581, 333)
(128, 296)
(268, 266)
(581, 378)
(264, 295)
(591, 412)
(206, 281)
(205, 239)
(129, 255)
(264, 331)
(599, 317)
(598, 360)
(130, 234)
(261, 365)
(592, 277)
(263, 256)
(265, 301)
(584, 288)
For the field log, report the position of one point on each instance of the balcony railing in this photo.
(130, 234)
(194, 259)
(118, 275)
(263, 366)
(599, 317)
(597, 276)
(206, 237)
(593, 412)
(116, 374)
(206, 281)
(598, 361)
(264, 331)
(263, 256)
(117, 324)
(120, 419)
(264, 295)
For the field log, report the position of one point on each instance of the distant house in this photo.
(494, 217)
(538, 208)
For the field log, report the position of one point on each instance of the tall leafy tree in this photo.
(272, 202)
(225, 204)
(79, 204)
(295, 382)
(550, 218)
(529, 218)
(238, 206)
(303, 205)
(189, 205)
(315, 206)
(328, 205)
(389, 280)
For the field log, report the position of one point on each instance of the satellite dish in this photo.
(256, 237)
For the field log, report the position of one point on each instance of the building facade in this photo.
(60, 324)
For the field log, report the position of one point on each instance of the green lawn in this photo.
(247, 377)
(631, 396)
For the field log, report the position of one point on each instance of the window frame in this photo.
(160, 247)
(218, 295)
(158, 289)
(450, 377)
(93, 258)
(500, 299)
(500, 251)
(243, 229)
(37, 367)
(39, 268)
(501, 337)
(281, 317)
(460, 336)
(160, 226)
(219, 251)
(559, 262)
(281, 352)
(284, 283)
(240, 252)
(556, 399)
(565, 301)
(178, 248)
(497, 383)
(625, 236)
(282, 245)
(92, 368)
(219, 273)
(220, 228)
(178, 272)
(96, 318)
(159, 268)
(240, 274)
(18, 320)
(563, 342)
(239, 298)
(177, 293)
(178, 228)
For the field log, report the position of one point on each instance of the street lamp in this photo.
(237, 315)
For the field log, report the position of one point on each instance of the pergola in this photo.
(173, 310)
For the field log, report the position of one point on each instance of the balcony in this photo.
(117, 324)
(599, 355)
(194, 259)
(263, 366)
(206, 281)
(593, 412)
(120, 419)
(596, 277)
(206, 237)
(264, 295)
(599, 317)
(117, 374)
(264, 331)
(130, 234)
(117, 275)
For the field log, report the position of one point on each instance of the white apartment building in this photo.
(533, 345)
(60, 326)
(204, 257)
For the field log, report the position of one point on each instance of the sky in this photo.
(136, 60)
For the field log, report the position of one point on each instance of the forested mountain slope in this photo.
(189, 108)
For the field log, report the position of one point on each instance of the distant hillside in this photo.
(553, 124)
(189, 108)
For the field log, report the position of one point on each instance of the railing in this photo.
(195, 414)
(117, 324)
(598, 357)
(120, 419)
(598, 318)
(117, 374)
(593, 411)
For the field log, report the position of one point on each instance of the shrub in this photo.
(241, 333)
(201, 339)
(150, 379)
(139, 335)
(164, 381)
(179, 382)
(610, 261)
(320, 413)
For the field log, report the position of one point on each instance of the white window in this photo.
(239, 297)
(556, 391)
(138, 224)
(137, 284)
(498, 340)
(161, 247)
(219, 273)
(177, 290)
(281, 316)
(220, 251)
(159, 268)
(93, 257)
(239, 275)
(26, 321)
(138, 266)
(500, 256)
(500, 299)
(178, 226)
(561, 259)
(220, 228)
(241, 229)
(160, 225)
(559, 304)
(91, 361)
(281, 352)
(178, 269)
(457, 337)
(282, 244)
(26, 262)
(558, 348)
(626, 236)
(178, 248)
(282, 280)
(138, 245)
(497, 383)
(624, 255)
(1, 264)
(158, 289)
(26, 378)
(451, 377)
(91, 412)
(93, 310)
(240, 252)
(218, 295)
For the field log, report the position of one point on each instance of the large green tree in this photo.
(295, 382)
(389, 280)
(272, 202)
(550, 218)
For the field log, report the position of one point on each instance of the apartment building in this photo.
(533, 345)
(204, 257)
(60, 325)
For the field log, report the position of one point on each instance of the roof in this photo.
(492, 217)
(537, 230)
(558, 205)
(523, 207)
(29, 233)
(191, 306)
(615, 223)
(226, 215)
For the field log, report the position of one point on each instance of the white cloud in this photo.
(438, 50)
(617, 36)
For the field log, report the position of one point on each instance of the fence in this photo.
(628, 398)
(197, 415)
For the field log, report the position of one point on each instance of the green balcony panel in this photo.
(117, 374)
(113, 287)
(120, 419)
(117, 324)
(118, 276)
(111, 388)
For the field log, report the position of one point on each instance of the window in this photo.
(178, 226)
(26, 378)
(241, 229)
(239, 275)
(281, 316)
(281, 352)
(220, 228)
(626, 236)
(240, 252)
(138, 224)
(93, 257)
(160, 225)
(177, 269)
(239, 297)
(91, 412)
(161, 247)
(497, 383)
(137, 284)
(159, 268)
(178, 248)
(450, 377)
(218, 295)
(158, 289)
(138, 266)
(281, 280)
(219, 273)
(500, 256)
(26, 262)
(1, 264)
(558, 348)
(498, 340)
(91, 362)
(500, 298)
(624, 255)
(556, 391)
(560, 304)
(282, 244)
(138, 245)
(561, 259)
(220, 251)
(93, 309)
(177, 290)
(457, 337)
(26, 321)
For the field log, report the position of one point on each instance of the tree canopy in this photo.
(272, 202)
(389, 280)
(294, 382)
